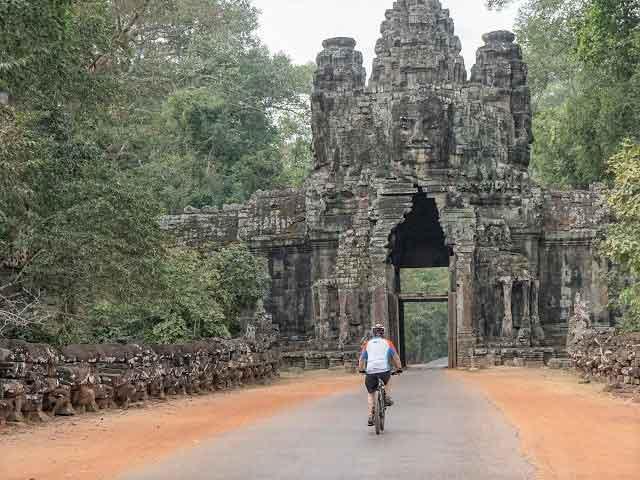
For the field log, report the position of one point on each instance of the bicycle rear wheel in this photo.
(377, 419)
(383, 410)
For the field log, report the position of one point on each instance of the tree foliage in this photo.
(583, 61)
(192, 296)
(426, 325)
(120, 111)
(498, 4)
(426, 330)
(623, 241)
(198, 296)
(607, 37)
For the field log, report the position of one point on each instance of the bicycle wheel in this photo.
(377, 412)
(383, 410)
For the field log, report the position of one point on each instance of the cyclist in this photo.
(376, 359)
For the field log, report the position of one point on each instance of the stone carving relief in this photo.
(421, 131)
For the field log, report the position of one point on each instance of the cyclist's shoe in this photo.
(370, 420)
(388, 401)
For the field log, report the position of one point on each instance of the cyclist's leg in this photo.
(386, 378)
(371, 383)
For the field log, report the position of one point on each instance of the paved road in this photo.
(438, 430)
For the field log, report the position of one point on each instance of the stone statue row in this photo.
(38, 382)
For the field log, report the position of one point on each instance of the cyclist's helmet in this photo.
(378, 330)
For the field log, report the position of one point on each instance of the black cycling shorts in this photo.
(371, 380)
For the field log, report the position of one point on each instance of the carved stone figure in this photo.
(420, 132)
(57, 402)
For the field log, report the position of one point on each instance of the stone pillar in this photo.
(525, 334)
(507, 321)
(526, 295)
(344, 321)
(464, 303)
(345, 297)
(464, 288)
(537, 333)
(321, 300)
(453, 325)
(379, 295)
(379, 306)
(394, 317)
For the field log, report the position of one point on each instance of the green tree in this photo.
(434, 281)
(181, 307)
(426, 325)
(72, 223)
(546, 31)
(623, 242)
(582, 56)
(608, 37)
(426, 331)
(122, 110)
(498, 4)
(124, 70)
(240, 280)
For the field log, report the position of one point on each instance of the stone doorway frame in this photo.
(458, 225)
(394, 202)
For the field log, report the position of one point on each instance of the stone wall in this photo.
(267, 216)
(272, 224)
(571, 264)
(38, 381)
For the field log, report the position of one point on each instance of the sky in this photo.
(298, 27)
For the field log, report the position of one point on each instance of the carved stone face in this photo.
(421, 132)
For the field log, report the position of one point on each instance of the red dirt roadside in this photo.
(569, 431)
(100, 446)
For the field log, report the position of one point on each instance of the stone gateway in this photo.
(423, 167)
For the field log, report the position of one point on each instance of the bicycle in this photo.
(380, 405)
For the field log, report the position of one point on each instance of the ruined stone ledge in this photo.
(339, 42)
(320, 360)
(608, 357)
(499, 36)
(514, 356)
(568, 238)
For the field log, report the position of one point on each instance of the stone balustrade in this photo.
(38, 381)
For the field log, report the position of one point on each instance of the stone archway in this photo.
(416, 228)
(417, 243)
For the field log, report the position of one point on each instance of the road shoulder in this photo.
(569, 431)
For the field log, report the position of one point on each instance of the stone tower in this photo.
(421, 167)
(418, 47)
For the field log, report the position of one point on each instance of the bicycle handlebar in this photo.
(395, 372)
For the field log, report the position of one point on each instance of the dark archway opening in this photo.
(419, 241)
(420, 313)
